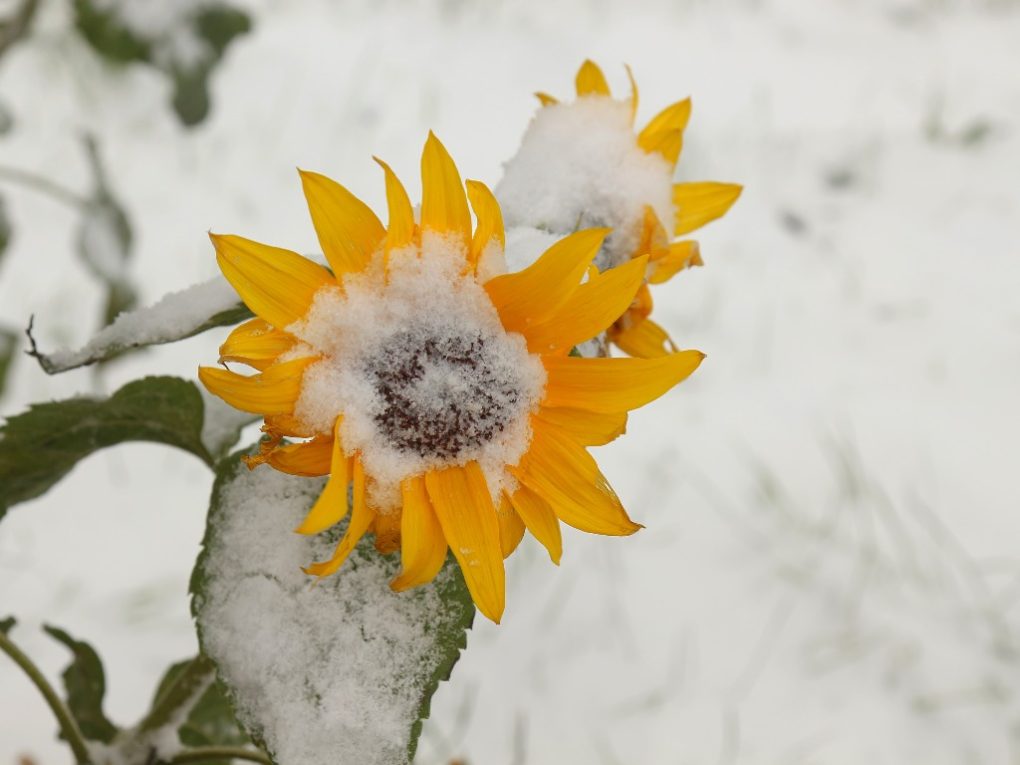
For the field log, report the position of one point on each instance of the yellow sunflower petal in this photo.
(667, 143)
(614, 385)
(563, 474)
(541, 521)
(489, 217)
(271, 392)
(444, 205)
(361, 519)
(422, 544)
(590, 80)
(587, 428)
(700, 203)
(349, 232)
(278, 285)
(400, 228)
(387, 532)
(284, 425)
(595, 305)
(680, 255)
(331, 505)
(633, 93)
(463, 505)
(255, 343)
(644, 339)
(545, 99)
(511, 527)
(527, 297)
(673, 117)
(309, 458)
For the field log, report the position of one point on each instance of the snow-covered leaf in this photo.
(85, 684)
(41, 445)
(211, 721)
(176, 316)
(342, 671)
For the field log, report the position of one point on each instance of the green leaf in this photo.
(209, 29)
(104, 30)
(8, 346)
(217, 26)
(211, 721)
(40, 446)
(349, 640)
(7, 624)
(5, 226)
(85, 684)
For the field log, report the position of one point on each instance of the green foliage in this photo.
(211, 721)
(449, 626)
(108, 35)
(212, 27)
(7, 624)
(5, 224)
(8, 345)
(40, 446)
(85, 684)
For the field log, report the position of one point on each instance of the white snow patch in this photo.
(419, 365)
(174, 316)
(579, 166)
(525, 245)
(331, 673)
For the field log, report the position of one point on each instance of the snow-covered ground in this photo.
(829, 572)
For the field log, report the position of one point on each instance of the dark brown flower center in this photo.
(442, 394)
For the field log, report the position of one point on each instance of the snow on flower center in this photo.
(579, 166)
(442, 395)
(416, 361)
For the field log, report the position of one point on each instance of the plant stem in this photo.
(43, 185)
(68, 725)
(211, 753)
(17, 26)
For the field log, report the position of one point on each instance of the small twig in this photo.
(44, 186)
(213, 753)
(68, 725)
(33, 349)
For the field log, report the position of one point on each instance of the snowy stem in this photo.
(17, 25)
(185, 691)
(68, 725)
(42, 185)
(213, 753)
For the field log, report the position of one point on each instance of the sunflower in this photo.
(585, 163)
(438, 388)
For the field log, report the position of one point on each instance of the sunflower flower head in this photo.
(436, 390)
(586, 163)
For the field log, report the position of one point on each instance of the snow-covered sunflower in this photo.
(586, 164)
(435, 385)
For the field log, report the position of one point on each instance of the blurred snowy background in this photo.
(830, 572)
